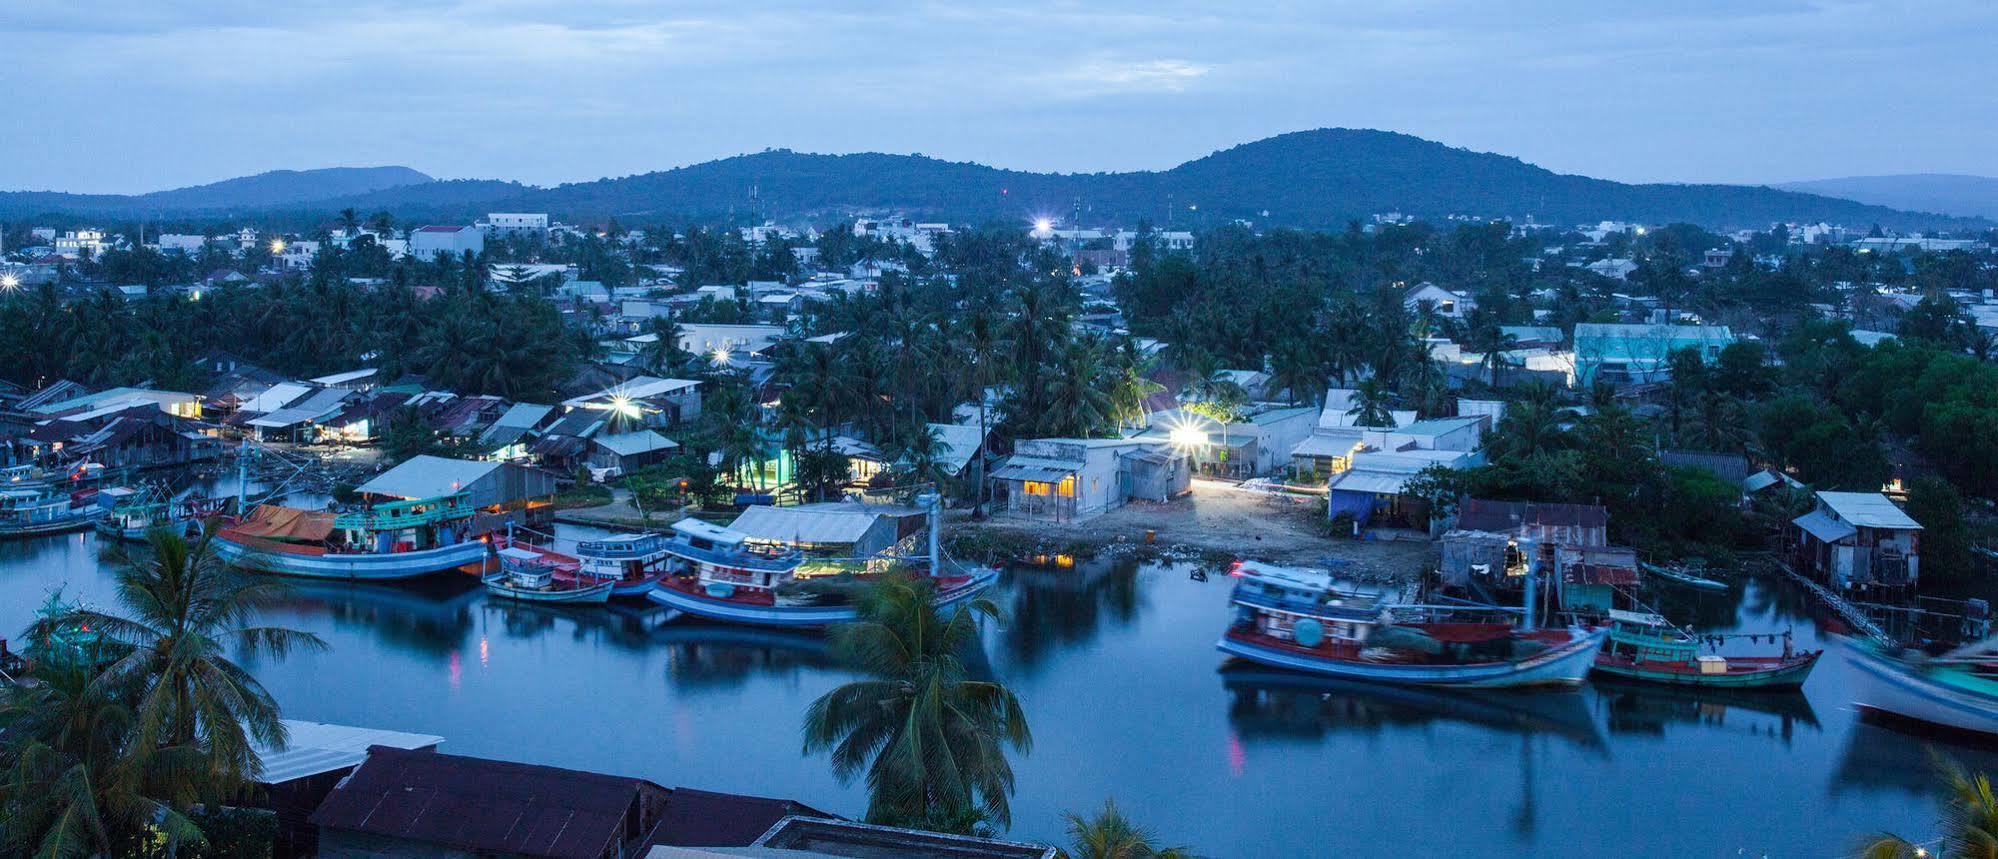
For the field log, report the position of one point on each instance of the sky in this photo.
(127, 96)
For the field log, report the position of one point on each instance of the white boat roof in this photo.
(1295, 577)
(519, 554)
(315, 748)
(1637, 618)
(707, 531)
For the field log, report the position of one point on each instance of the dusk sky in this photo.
(141, 95)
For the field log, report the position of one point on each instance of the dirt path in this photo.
(1219, 518)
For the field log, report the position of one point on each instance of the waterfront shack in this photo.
(502, 492)
(1066, 479)
(1857, 540)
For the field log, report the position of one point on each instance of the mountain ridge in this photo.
(1960, 194)
(1322, 178)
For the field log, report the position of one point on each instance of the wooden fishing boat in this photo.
(633, 563)
(31, 509)
(722, 576)
(1681, 577)
(134, 513)
(1957, 690)
(1303, 620)
(531, 574)
(1644, 647)
(396, 540)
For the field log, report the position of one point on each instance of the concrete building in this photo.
(1066, 479)
(516, 223)
(426, 243)
(1622, 354)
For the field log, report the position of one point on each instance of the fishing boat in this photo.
(1957, 690)
(722, 575)
(29, 509)
(531, 574)
(1682, 577)
(1643, 646)
(1304, 620)
(633, 563)
(394, 540)
(131, 514)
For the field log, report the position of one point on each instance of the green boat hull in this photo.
(1788, 676)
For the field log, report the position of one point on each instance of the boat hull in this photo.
(1563, 665)
(368, 567)
(593, 595)
(38, 529)
(1885, 685)
(727, 611)
(637, 590)
(1788, 676)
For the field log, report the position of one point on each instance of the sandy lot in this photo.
(1219, 518)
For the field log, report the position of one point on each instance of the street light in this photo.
(277, 246)
(10, 281)
(1043, 227)
(721, 357)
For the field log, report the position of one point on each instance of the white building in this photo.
(1448, 303)
(516, 223)
(427, 242)
(186, 245)
(81, 244)
(735, 341)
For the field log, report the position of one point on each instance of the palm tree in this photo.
(1373, 403)
(932, 741)
(919, 456)
(1077, 403)
(185, 610)
(1111, 835)
(984, 345)
(1969, 819)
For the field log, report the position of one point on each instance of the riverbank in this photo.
(1216, 523)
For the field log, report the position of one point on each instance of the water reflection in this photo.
(1265, 702)
(703, 657)
(1649, 709)
(1050, 610)
(430, 616)
(1878, 755)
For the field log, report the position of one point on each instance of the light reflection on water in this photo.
(1116, 666)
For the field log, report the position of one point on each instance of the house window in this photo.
(1033, 487)
(1066, 488)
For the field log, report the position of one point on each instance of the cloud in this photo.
(1106, 77)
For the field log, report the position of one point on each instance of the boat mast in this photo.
(933, 502)
(1532, 552)
(243, 478)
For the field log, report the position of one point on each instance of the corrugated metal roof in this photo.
(957, 444)
(276, 397)
(634, 443)
(428, 476)
(320, 404)
(1869, 510)
(472, 804)
(314, 748)
(806, 524)
(1376, 482)
(1821, 525)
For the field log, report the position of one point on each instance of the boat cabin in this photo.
(1642, 636)
(624, 557)
(724, 559)
(526, 568)
(405, 526)
(1307, 607)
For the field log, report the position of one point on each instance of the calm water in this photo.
(1116, 666)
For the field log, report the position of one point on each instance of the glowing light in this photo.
(10, 281)
(721, 357)
(1187, 435)
(624, 406)
(1640, 231)
(1043, 226)
(277, 246)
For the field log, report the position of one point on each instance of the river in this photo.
(1115, 664)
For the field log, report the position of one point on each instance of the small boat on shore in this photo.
(1645, 647)
(1957, 690)
(723, 576)
(1303, 620)
(532, 574)
(633, 563)
(1678, 576)
(396, 540)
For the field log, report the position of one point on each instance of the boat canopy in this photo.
(1637, 618)
(519, 554)
(277, 522)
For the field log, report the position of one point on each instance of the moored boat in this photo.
(531, 574)
(1644, 647)
(633, 563)
(1681, 577)
(134, 513)
(29, 509)
(1303, 620)
(1957, 690)
(396, 540)
(723, 576)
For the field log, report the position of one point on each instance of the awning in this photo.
(1375, 482)
(1034, 473)
(1821, 525)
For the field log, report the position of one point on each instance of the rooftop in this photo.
(1869, 510)
(427, 476)
(316, 748)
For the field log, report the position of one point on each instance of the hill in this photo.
(1319, 179)
(275, 189)
(1948, 193)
